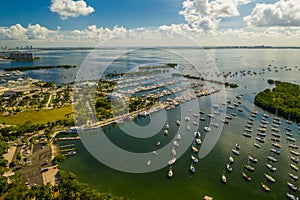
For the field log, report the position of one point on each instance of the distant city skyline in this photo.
(52, 23)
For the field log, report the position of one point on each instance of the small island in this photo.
(282, 100)
(27, 68)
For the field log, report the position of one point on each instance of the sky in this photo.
(44, 23)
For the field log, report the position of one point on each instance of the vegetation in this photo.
(231, 85)
(283, 100)
(27, 68)
(68, 188)
(37, 117)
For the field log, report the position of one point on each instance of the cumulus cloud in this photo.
(18, 32)
(206, 15)
(70, 8)
(281, 13)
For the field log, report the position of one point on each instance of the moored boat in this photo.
(270, 178)
(207, 129)
(292, 186)
(248, 178)
(271, 167)
(265, 187)
(272, 159)
(223, 178)
(231, 160)
(260, 139)
(236, 152)
(291, 139)
(257, 145)
(237, 146)
(293, 176)
(170, 173)
(276, 145)
(198, 141)
(294, 159)
(276, 151)
(166, 132)
(192, 168)
(172, 161)
(247, 135)
(252, 159)
(194, 149)
(249, 167)
(294, 146)
(294, 167)
(194, 159)
(295, 153)
(292, 197)
(178, 123)
(228, 167)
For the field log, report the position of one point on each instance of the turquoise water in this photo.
(207, 178)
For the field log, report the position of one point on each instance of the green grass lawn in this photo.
(37, 117)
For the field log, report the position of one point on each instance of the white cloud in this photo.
(70, 8)
(282, 13)
(18, 32)
(206, 15)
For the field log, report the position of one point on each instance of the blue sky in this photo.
(212, 21)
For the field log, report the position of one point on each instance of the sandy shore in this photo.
(10, 154)
(50, 175)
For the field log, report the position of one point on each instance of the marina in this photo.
(206, 168)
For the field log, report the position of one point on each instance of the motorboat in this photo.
(170, 173)
(197, 134)
(294, 159)
(265, 187)
(295, 153)
(292, 197)
(292, 186)
(173, 152)
(166, 132)
(272, 159)
(260, 139)
(228, 167)
(294, 177)
(270, 178)
(236, 152)
(207, 129)
(294, 167)
(252, 159)
(291, 139)
(276, 151)
(188, 127)
(148, 163)
(248, 178)
(178, 123)
(167, 126)
(223, 178)
(257, 145)
(172, 161)
(294, 146)
(192, 168)
(249, 167)
(198, 141)
(276, 145)
(195, 150)
(187, 119)
(247, 135)
(276, 134)
(158, 143)
(194, 159)
(176, 144)
(271, 167)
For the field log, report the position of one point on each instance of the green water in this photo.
(207, 178)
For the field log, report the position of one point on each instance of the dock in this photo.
(68, 138)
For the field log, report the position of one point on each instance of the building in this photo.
(22, 55)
